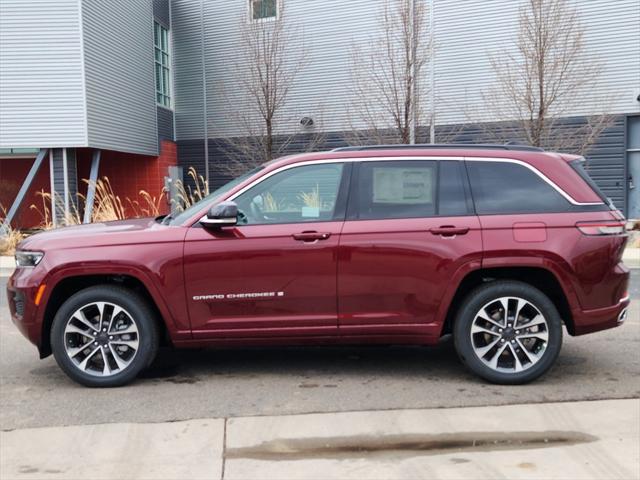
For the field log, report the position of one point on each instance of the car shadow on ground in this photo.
(439, 360)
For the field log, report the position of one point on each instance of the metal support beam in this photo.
(24, 189)
(91, 188)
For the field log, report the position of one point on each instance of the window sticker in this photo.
(402, 185)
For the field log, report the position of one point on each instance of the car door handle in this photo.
(449, 231)
(311, 236)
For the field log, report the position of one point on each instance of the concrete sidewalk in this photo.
(578, 440)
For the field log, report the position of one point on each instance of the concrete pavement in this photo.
(576, 440)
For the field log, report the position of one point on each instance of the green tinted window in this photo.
(162, 65)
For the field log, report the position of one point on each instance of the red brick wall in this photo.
(128, 174)
(13, 172)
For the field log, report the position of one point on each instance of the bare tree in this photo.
(271, 54)
(386, 76)
(544, 79)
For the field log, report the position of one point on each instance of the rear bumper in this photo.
(590, 321)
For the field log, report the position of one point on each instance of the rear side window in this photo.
(578, 166)
(410, 189)
(398, 189)
(500, 187)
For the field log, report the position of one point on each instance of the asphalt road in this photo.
(226, 383)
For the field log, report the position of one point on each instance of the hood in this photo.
(93, 234)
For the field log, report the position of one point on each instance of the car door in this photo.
(274, 273)
(409, 236)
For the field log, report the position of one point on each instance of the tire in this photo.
(101, 322)
(503, 350)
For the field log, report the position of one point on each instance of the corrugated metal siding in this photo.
(186, 23)
(161, 12)
(119, 70)
(165, 124)
(468, 32)
(41, 84)
(605, 160)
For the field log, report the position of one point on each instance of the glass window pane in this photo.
(300, 194)
(452, 199)
(510, 188)
(399, 189)
(158, 78)
(165, 81)
(264, 9)
(165, 39)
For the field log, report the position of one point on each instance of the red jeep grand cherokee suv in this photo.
(498, 245)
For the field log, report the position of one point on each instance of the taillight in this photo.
(601, 228)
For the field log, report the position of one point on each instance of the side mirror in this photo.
(224, 214)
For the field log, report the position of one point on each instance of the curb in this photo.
(631, 257)
(7, 266)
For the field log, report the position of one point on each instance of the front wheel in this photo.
(104, 336)
(508, 332)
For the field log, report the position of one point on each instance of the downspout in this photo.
(432, 69)
(204, 97)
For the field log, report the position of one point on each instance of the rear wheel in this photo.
(104, 336)
(508, 332)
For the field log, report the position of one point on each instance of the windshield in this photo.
(212, 197)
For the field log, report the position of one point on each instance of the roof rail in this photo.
(481, 146)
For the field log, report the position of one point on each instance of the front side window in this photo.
(504, 188)
(300, 194)
(163, 71)
(397, 189)
(263, 9)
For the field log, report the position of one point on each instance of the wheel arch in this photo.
(68, 286)
(539, 277)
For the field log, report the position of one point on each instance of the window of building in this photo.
(163, 71)
(500, 187)
(300, 194)
(263, 9)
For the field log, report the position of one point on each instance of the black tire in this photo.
(140, 313)
(482, 296)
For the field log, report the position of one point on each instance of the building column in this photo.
(64, 186)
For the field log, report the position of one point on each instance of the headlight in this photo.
(28, 259)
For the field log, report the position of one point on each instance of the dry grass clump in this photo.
(9, 237)
(107, 206)
(187, 196)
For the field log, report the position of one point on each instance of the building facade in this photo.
(127, 89)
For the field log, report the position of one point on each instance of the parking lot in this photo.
(244, 382)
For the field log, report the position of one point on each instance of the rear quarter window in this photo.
(505, 188)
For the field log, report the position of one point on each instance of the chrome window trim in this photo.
(568, 197)
(541, 175)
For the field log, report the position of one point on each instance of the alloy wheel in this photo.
(509, 334)
(101, 339)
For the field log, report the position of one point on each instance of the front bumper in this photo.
(22, 287)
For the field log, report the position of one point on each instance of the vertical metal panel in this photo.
(188, 80)
(41, 81)
(119, 70)
(165, 124)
